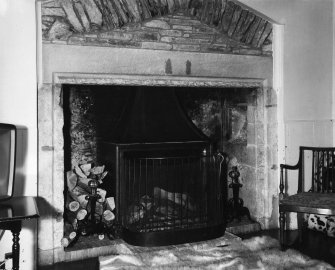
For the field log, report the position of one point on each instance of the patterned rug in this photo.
(227, 252)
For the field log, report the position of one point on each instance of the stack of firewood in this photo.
(78, 209)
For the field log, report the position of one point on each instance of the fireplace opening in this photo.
(161, 149)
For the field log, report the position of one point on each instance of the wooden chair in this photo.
(316, 186)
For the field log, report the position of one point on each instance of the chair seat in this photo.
(316, 203)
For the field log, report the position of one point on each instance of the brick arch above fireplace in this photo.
(130, 23)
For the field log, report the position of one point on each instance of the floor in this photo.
(314, 244)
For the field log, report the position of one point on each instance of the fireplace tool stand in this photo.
(94, 225)
(94, 222)
(235, 205)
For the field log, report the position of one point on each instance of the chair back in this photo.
(318, 165)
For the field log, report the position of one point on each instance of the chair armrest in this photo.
(281, 185)
(289, 167)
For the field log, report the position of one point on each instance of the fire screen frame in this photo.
(114, 156)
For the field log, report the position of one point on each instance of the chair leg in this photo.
(300, 219)
(282, 229)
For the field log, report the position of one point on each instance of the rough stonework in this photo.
(81, 129)
(220, 26)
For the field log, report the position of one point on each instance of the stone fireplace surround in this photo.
(64, 64)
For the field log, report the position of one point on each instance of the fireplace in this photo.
(162, 147)
(184, 49)
(252, 155)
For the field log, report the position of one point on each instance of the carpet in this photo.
(222, 253)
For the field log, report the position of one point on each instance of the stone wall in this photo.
(79, 127)
(235, 31)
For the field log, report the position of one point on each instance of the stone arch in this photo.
(61, 18)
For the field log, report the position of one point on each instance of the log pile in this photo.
(83, 220)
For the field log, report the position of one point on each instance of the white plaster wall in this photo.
(307, 68)
(308, 72)
(18, 106)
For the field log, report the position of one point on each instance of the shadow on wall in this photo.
(45, 209)
(21, 154)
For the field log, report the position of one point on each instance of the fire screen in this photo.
(172, 198)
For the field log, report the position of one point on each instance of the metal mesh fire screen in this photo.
(169, 196)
